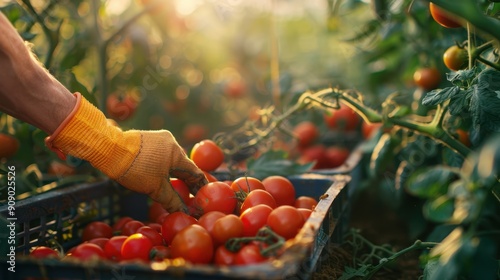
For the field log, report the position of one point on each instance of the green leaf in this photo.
(275, 162)
(440, 209)
(351, 273)
(383, 153)
(439, 96)
(430, 182)
(460, 102)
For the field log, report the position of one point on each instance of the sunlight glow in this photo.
(186, 7)
(116, 7)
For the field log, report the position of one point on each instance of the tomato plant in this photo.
(215, 196)
(207, 155)
(194, 244)
(343, 118)
(368, 130)
(427, 77)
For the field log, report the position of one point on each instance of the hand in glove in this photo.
(142, 161)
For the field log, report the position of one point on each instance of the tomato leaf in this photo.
(275, 162)
(430, 182)
(439, 96)
(440, 209)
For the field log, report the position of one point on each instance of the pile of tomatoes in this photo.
(228, 222)
(221, 212)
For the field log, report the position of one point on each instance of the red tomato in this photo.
(210, 177)
(223, 256)
(86, 251)
(456, 58)
(136, 247)
(306, 132)
(427, 77)
(235, 89)
(286, 221)
(119, 108)
(249, 254)
(174, 223)
(96, 229)
(207, 155)
(281, 189)
(254, 219)
(117, 227)
(306, 213)
(344, 119)
(443, 17)
(42, 252)
(305, 202)
(336, 156)
(208, 219)
(99, 241)
(227, 227)
(246, 184)
(257, 197)
(152, 234)
(159, 253)
(215, 196)
(161, 218)
(113, 248)
(155, 226)
(369, 129)
(193, 133)
(155, 210)
(181, 188)
(316, 154)
(463, 136)
(131, 227)
(194, 244)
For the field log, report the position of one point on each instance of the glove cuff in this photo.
(86, 134)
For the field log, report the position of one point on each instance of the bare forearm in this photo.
(27, 91)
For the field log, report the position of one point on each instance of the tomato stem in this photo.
(265, 235)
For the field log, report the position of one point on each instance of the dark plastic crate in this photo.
(62, 214)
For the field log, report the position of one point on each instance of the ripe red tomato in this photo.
(181, 188)
(155, 210)
(117, 227)
(316, 154)
(344, 119)
(194, 244)
(161, 218)
(306, 132)
(155, 226)
(152, 234)
(455, 58)
(210, 177)
(235, 89)
(86, 251)
(42, 252)
(257, 197)
(96, 229)
(208, 219)
(99, 241)
(120, 108)
(463, 136)
(443, 17)
(113, 248)
(207, 155)
(227, 227)
(368, 130)
(281, 189)
(9, 145)
(336, 156)
(305, 202)
(215, 196)
(131, 227)
(306, 213)
(246, 184)
(427, 77)
(136, 247)
(254, 219)
(159, 253)
(223, 256)
(286, 221)
(249, 254)
(193, 133)
(174, 223)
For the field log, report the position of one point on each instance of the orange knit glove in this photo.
(142, 161)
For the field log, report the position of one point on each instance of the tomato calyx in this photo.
(269, 242)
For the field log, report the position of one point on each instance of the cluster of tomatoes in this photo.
(223, 225)
(343, 120)
(221, 211)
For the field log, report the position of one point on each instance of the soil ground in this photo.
(379, 225)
